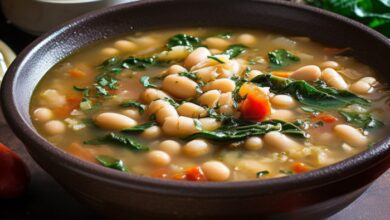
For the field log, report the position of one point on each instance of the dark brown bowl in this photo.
(119, 195)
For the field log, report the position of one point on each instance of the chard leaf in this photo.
(281, 58)
(183, 40)
(85, 91)
(112, 163)
(118, 139)
(134, 104)
(361, 119)
(216, 59)
(144, 80)
(235, 50)
(140, 128)
(140, 63)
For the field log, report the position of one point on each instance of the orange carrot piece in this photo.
(298, 167)
(325, 118)
(281, 74)
(195, 174)
(77, 73)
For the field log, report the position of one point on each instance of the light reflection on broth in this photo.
(198, 115)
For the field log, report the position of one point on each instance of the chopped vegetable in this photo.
(112, 163)
(140, 128)
(194, 174)
(298, 167)
(144, 80)
(281, 58)
(134, 104)
(361, 119)
(119, 139)
(216, 59)
(189, 75)
(183, 40)
(262, 173)
(235, 50)
(256, 105)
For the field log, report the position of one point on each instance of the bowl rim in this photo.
(316, 178)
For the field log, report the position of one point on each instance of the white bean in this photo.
(179, 126)
(151, 94)
(53, 99)
(176, 69)
(170, 146)
(210, 124)
(283, 101)
(54, 127)
(253, 143)
(179, 86)
(280, 142)
(152, 132)
(308, 73)
(114, 121)
(350, 135)
(216, 42)
(159, 158)
(209, 98)
(196, 148)
(43, 114)
(109, 52)
(363, 86)
(226, 99)
(125, 45)
(175, 53)
(283, 114)
(162, 109)
(247, 39)
(207, 74)
(132, 113)
(196, 57)
(191, 110)
(333, 79)
(224, 85)
(226, 109)
(215, 171)
(330, 64)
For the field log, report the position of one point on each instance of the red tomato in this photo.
(256, 105)
(325, 118)
(14, 175)
(195, 174)
(299, 167)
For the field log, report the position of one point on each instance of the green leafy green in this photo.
(134, 104)
(144, 80)
(140, 63)
(317, 97)
(189, 75)
(281, 58)
(287, 172)
(361, 119)
(140, 128)
(235, 130)
(112, 163)
(235, 50)
(216, 59)
(183, 40)
(171, 101)
(85, 91)
(262, 173)
(118, 139)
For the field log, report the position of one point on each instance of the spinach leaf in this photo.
(85, 91)
(183, 40)
(235, 50)
(318, 97)
(140, 128)
(281, 58)
(144, 80)
(140, 63)
(112, 163)
(133, 104)
(262, 173)
(237, 130)
(171, 101)
(189, 75)
(216, 59)
(361, 119)
(118, 139)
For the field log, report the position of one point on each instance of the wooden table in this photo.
(47, 200)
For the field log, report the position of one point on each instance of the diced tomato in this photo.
(14, 175)
(281, 74)
(325, 118)
(256, 105)
(298, 167)
(195, 174)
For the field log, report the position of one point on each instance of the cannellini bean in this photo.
(176, 69)
(330, 64)
(125, 45)
(196, 56)
(179, 86)
(280, 142)
(253, 73)
(170, 146)
(251, 167)
(216, 42)
(42, 114)
(224, 85)
(159, 158)
(196, 148)
(152, 132)
(151, 94)
(283, 101)
(283, 114)
(253, 143)
(191, 110)
(54, 127)
(176, 53)
(363, 86)
(215, 171)
(109, 52)
(132, 113)
(209, 98)
(226, 99)
(226, 109)
(350, 135)
(162, 109)
(215, 51)
(114, 121)
(333, 79)
(179, 126)
(207, 74)
(210, 124)
(309, 73)
(53, 99)
(247, 39)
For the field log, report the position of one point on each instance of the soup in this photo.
(211, 104)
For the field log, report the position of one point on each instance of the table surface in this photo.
(45, 199)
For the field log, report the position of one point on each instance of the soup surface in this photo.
(211, 104)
